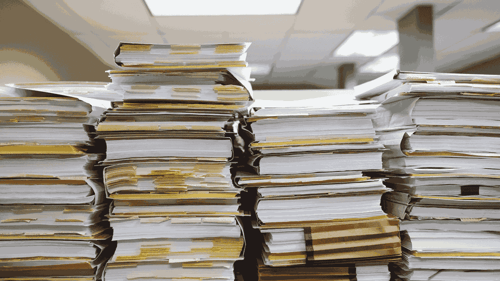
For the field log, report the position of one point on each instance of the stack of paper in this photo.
(359, 272)
(181, 56)
(167, 167)
(315, 205)
(444, 169)
(52, 205)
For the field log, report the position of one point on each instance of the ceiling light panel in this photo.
(160, 8)
(367, 43)
(493, 28)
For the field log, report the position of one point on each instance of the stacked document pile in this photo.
(52, 205)
(93, 93)
(375, 272)
(444, 169)
(167, 167)
(315, 205)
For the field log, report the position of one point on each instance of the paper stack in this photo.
(167, 167)
(375, 272)
(315, 205)
(52, 205)
(444, 169)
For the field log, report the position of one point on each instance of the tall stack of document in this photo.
(315, 205)
(443, 131)
(167, 167)
(52, 205)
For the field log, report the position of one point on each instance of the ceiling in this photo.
(295, 49)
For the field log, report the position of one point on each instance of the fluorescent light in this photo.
(367, 44)
(222, 7)
(260, 69)
(381, 64)
(495, 27)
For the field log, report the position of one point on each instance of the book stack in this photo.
(444, 170)
(52, 205)
(168, 160)
(314, 205)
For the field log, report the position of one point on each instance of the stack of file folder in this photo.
(169, 145)
(52, 202)
(315, 205)
(443, 166)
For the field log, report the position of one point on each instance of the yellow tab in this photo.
(103, 127)
(193, 66)
(136, 47)
(311, 142)
(482, 94)
(230, 89)
(28, 119)
(179, 106)
(27, 220)
(454, 254)
(144, 87)
(229, 48)
(185, 48)
(198, 264)
(233, 99)
(186, 90)
(40, 149)
(291, 256)
(41, 182)
(198, 195)
(68, 220)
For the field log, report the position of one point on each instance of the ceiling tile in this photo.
(464, 20)
(474, 49)
(193, 37)
(333, 15)
(131, 37)
(355, 60)
(310, 46)
(231, 24)
(377, 22)
(128, 16)
(293, 65)
(395, 9)
(101, 25)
